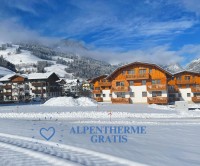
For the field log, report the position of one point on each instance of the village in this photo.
(136, 82)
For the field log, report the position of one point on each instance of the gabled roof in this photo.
(9, 77)
(187, 71)
(96, 78)
(135, 63)
(34, 76)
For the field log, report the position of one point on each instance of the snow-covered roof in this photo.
(6, 77)
(188, 71)
(34, 76)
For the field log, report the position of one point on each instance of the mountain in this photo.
(173, 68)
(70, 63)
(194, 65)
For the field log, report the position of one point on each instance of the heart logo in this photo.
(47, 133)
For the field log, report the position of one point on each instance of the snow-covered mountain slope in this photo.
(17, 58)
(4, 71)
(194, 65)
(173, 68)
(59, 69)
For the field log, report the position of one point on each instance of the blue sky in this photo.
(115, 29)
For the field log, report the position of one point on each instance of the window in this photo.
(96, 88)
(131, 71)
(123, 72)
(156, 81)
(132, 94)
(121, 94)
(143, 82)
(120, 83)
(142, 71)
(131, 83)
(144, 94)
(179, 86)
(187, 85)
(110, 95)
(187, 77)
(178, 78)
(188, 94)
(104, 95)
(98, 95)
(156, 93)
(150, 70)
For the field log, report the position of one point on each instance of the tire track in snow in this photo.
(56, 154)
(60, 152)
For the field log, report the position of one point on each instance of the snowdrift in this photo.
(69, 101)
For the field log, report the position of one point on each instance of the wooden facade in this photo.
(148, 83)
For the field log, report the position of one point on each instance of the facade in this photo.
(185, 86)
(15, 87)
(146, 83)
(44, 85)
(101, 89)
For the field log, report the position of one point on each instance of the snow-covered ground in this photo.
(172, 138)
(59, 69)
(25, 57)
(4, 71)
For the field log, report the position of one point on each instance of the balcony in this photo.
(157, 87)
(104, 83)
(120, 100)
(191, 81)
(38, 84)
(38, 91)
(98, 99)
(7, 86)
(138, 76)
(7, 93)
(195, 89)
(196, 99)
(157, 100)
(120, 89)
(96, 91)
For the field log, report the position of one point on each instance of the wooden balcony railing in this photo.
(39, 91)
(195, 89)
(157, 100)
(191, 81)
(120, 89)
(104, 83)
(98, 99)
(97, 91)
(7, 86)
(196, 99)
(137, 76)
(38, 84)
(156, 87)
(120, 100)
(7, 93)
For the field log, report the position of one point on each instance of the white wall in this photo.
(138, 94)
(184, 94)
(107, 93)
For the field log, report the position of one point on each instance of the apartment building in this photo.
(139, 82)
(185, 86)
(16, 87)
(101, 89)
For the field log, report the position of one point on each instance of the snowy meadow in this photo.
(171, 137)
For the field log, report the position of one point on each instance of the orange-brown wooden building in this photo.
(139, 82)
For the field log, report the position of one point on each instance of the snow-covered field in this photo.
(172, 137)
